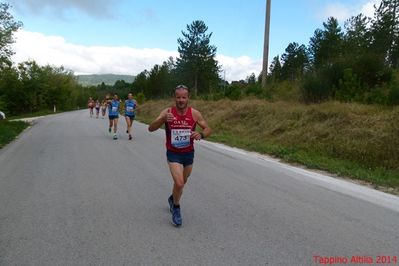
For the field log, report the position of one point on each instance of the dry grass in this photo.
(360, 141)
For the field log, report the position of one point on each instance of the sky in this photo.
(129, 36)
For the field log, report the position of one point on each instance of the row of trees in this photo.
(30, 88)
(358, 64)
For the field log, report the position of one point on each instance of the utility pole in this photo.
(224, 82)
(266, 44)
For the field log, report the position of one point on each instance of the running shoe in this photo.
(127, 131)
(115, 136)
(176, 216)
(130, 137)
(170, 201)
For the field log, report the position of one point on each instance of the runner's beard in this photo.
(181, 105)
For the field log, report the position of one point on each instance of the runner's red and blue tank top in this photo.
(178, 132)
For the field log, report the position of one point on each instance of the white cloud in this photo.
(343, 10)
(239, 68)
(368, 8)
(336, 10)
(56, 51)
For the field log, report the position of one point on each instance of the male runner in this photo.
(90, 104)
(104, 108)
(130, 107)
(180, 122)
(97, 105)
(113, 114)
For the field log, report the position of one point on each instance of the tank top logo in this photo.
(181, 123)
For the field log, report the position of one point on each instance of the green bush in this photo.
(3, 105)
(393, 94)
(284, 91)
(377, 95)
(254, 89)
(315, 88)
(349, 87)
(233, 92)
(140, 97)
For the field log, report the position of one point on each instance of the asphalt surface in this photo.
(70, 195)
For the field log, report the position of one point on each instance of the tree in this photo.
(11, 93)
(359, 56)
(325, 46)
(172, 79)
(122, 88)
(33, 83)
(385, 31)
(295, 60)
(156, 81)
(357, 38)
(196, 65)
(251, 79)
(325, 52)
(275, 69)
(140, 83)
(59, 83)
(7, 27)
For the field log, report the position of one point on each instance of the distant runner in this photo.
(130, 114)
(180, 123)
(97, 105)
(104, 108)
(90, 104)
(113, 114)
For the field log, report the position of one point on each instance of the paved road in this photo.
(70, 195)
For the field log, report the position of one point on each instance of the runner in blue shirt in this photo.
(113, 114)
(130, 113)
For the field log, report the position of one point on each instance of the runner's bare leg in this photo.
(180, 176)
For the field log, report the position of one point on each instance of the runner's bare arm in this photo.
(159, 121)
(206, 130)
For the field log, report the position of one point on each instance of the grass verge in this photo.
(35, 114)
(9, 130)
(378, 177)
(360, 142)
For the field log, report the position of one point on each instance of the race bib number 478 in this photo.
(180, 138)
